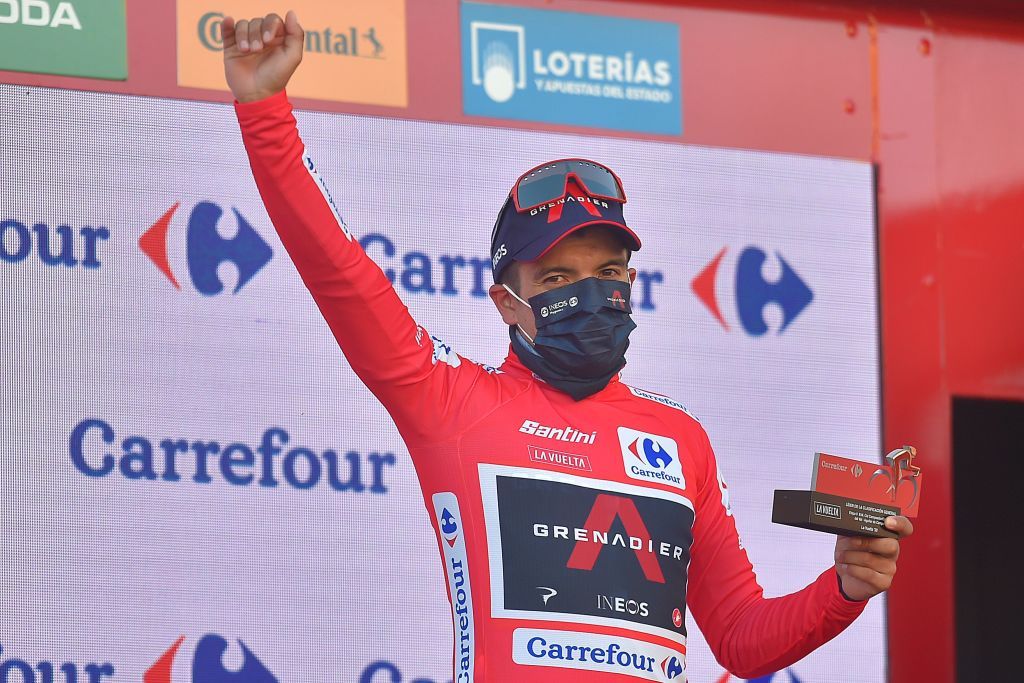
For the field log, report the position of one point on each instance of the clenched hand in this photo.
(261, 54)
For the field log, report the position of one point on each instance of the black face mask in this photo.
(582, 335)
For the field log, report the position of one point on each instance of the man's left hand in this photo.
(866, 566)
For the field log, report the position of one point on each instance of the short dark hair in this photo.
(511, 276)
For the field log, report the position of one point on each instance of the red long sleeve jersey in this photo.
(574, 535)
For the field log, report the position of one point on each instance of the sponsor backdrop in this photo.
(189, 466)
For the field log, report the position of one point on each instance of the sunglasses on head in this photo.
(549, 182)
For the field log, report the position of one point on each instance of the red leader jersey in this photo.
(574, 534)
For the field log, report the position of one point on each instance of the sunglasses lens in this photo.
(599, 180)
(542, 185)
(547, 183)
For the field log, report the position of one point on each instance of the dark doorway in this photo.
(988, 495)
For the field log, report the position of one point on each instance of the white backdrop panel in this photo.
(320, 583)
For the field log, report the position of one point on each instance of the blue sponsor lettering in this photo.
(26, 672)
(238, 464)
(389, 673)
(540, 648)
(664, 476)
(462, 610)
(418, 270)
(54, 247)
(452, 274)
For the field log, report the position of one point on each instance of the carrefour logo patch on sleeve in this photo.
(456, 561)
(571, 68)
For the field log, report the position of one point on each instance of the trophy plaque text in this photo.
(853, 498)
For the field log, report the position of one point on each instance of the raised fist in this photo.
(261, 54)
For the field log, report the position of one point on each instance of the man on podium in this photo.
(578, 518)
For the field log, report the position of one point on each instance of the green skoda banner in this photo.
(65, 37)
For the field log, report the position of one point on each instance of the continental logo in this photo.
(352, 42)
(360, 44)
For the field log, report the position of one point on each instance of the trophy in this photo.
(846, 500)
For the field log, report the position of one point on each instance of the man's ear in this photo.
(632, 275)
(504, 302)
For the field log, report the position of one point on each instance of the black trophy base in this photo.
(832, 514)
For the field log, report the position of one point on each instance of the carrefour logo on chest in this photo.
(570, 68)
(650, 457)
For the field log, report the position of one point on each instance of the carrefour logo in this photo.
(672, 668)
(460, 589)
(751, 292)
(208, 664)
(205, 664)
(206, 249)
(564, 67)
(650, 457)
(449, 527)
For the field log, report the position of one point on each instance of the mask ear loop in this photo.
(525, 303)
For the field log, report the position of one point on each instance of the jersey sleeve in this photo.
(749, 634)
(421, 382)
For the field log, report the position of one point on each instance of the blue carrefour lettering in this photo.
(417, 274)
(54, 247)
(17, 248)
(646, 279)
(448, 265)
(305, 476)
(77, 454)
(302, 468)
(389, 674)
(137, 461)
(453, 274)
(389, 250)
(240, 455)
(539, 648)
(26, 672)
(369, 675)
